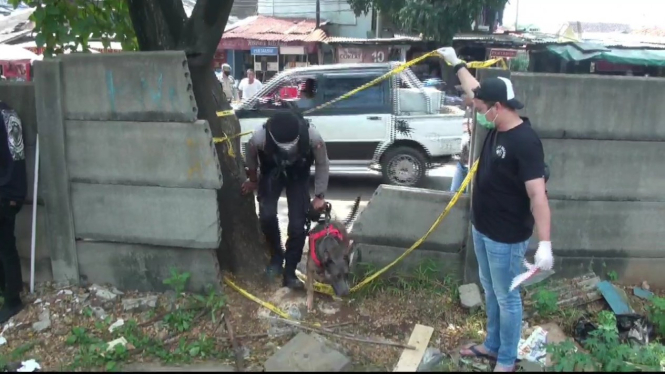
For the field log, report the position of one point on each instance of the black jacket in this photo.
(13, 175)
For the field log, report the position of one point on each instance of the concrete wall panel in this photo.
(24, 231)
(21, 97)
(447, 264)
(177, 217)
(605, 170)
(145, 86)
(167, 154)
(593, 107)
(144, 268)
(618, 229)
(53, 168)
(399, 216)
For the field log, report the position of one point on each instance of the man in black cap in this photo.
(13, 190)
(284, 149)
(508, 197)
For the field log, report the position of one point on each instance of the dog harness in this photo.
(330, 230)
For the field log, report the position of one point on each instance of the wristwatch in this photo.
(320, 196)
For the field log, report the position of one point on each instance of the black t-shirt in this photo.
(13, 176)
(501, 208)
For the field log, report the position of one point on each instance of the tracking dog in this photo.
(329, 249)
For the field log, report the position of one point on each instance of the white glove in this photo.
(448, 54)
(544, 258)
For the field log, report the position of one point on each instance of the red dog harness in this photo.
(330, 230)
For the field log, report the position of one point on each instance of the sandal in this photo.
(476, 353)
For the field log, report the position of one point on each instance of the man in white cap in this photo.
(228, 83)
(508, 197)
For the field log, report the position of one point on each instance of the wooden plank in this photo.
(411, 358)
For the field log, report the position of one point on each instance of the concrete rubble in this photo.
(305, 353)
(470, 296)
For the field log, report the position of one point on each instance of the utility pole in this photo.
(318, 13)
(517, 12)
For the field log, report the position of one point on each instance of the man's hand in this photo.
(448, 54)
(248, 187)
(318, 203)
(544, 258)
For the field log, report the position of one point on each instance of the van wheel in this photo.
(404, 166)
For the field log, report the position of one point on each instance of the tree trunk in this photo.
(163, 25)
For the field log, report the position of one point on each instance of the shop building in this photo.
(269, 45)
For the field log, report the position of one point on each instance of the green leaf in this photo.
(71, 339)
(111, 366)
(40, 40)
(194, 351)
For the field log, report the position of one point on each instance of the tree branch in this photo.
(204, 29)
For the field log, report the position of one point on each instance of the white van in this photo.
(395, 127)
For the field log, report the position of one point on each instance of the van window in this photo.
(368, 98)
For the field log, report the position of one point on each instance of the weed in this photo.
(612, 276)
(177, 280)
(657, 314)
(545, 302)
(605, 352)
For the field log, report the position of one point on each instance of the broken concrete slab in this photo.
(44, 321)
(305, 353)
(470, 296)
(140, 304)
(570, 292)
(156, 367)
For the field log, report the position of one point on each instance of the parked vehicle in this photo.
(396, 127)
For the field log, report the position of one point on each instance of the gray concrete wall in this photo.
(131, 176)
(21, 96)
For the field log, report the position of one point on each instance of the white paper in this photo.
(116, 324)
(29, 366)
(533, 348)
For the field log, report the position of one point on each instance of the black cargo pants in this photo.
(298, 200)
(11, 280)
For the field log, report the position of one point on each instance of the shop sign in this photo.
(503, 53)
(264, 51)
(362, 54)
(247, 44)
(16, 70)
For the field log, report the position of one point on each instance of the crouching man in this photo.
(285, 148)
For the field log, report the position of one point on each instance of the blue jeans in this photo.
(498, 264)
(460, 173)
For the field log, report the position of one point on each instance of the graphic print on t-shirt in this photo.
(500, 151)
(14, 135)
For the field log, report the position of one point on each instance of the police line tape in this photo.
(327, 289)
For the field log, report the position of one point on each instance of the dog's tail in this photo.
(353, 214)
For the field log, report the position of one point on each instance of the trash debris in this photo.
(533, 348)
(645, 285)
(29, 366)
(65, 292)
(643, 293)
(615, 297)
(582, 330)
(116, 324)
(572, 292)
(635, 328)
(3, 341)
(111, 345)
(431, 359)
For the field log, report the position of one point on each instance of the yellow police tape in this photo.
(327, 289)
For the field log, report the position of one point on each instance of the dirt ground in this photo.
(387, 309)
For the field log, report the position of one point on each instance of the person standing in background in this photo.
(249, 86)
(228, 83)
(13, 190)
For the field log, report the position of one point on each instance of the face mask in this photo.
(482, 120)
(227, 73)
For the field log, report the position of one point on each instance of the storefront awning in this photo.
(586, 51)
